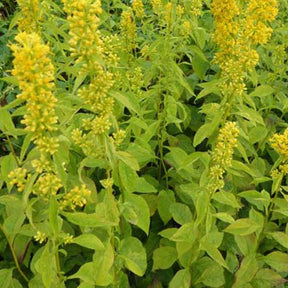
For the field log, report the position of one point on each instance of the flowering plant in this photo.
(144, 144)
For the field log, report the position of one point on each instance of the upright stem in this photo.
(13, 151)
(14, 255)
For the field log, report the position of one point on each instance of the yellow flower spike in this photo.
(279, 142)
(128, 28)
(226, 142)
(157, 6)
(196, 7)
(37, 84)
(239, 27)
(168, 12)
(138, 8)
(222, 155)
(28, 15)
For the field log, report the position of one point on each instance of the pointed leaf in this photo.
(134, 255)
(243, 227)
(89, 241)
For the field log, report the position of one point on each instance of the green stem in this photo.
(13, 151)
(57, 260)
(14, 255)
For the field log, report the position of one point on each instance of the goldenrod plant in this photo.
(143, 143)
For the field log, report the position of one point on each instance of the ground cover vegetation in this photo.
(143, 143)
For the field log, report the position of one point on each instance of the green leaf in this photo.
(242, 227)
(186, 233)
(239, 166)
(247, 244)
(225, 217)
(281, 238)
(226, 198)
(6, 278)
(46, 266)
(61, 159)
(206, 130)
(136, 211)
(53, 215)
(250, 114)
(168, 233)
(85, 273)
(15, 214)
(10, 80)
(209, 88)
(165, 199)
(143, 186)
(214, 238)
(278, 261)
(128, 177)
(182, 279)
(202, 204)
(259, 199)
(25, 146)
(214, 253)
(261, 91)
(6, 123)
(164, 257)
(267, 278)
(128, 100)
(246, 272)
(89, 241)
(208, 272)
(134, 255)
(103, 263)
(181, 213)
(108, 209)
(8, 164)
(128, 159)
(79, 80)
(83, 219)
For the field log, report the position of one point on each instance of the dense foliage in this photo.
(143, 143)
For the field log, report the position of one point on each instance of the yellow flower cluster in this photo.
(46, 185)
(281, 171)
(90, 145)
(168, 13)
(95, 96)
(222, 155)
(226, 142)
(40, 237)
(238, 28)
(67, 239)
(279, 142)
(28, 15)
(196, 7)
(77, 197)
(118, 137)
(135, 79)
(35, 74)
(128, 29)
(18, 177)
(138, 8)
(157, 6)
(86, 42)
(95, 54)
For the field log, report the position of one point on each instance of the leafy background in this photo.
(157, 226)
